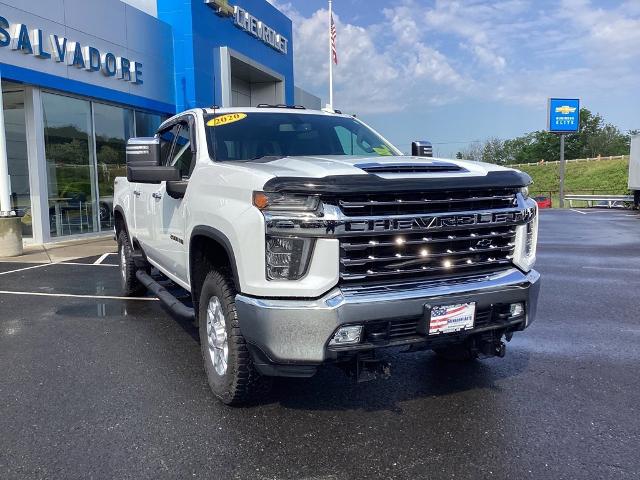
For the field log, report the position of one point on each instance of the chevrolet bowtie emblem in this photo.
(565, 109)
(221, 7)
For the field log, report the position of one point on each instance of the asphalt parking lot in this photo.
(94, 386)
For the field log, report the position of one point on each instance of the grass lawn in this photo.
(592, 177)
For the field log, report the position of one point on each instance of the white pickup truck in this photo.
(305, 238)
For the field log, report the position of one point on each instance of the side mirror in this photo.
(421, 148)
(143, 162)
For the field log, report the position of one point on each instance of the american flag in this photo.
(334, 34)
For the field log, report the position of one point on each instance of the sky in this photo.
(458, 71)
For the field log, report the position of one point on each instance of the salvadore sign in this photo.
(18, 37)
(250, 24)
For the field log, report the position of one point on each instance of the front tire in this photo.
(230, 371)
(130, 285)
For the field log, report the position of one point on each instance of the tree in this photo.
(596, 137)
(473, 152)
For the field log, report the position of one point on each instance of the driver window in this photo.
(183, 158)
(349, 142)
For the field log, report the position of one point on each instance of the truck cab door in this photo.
(144, 201)
(170, 210)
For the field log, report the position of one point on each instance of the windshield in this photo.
(252, 136)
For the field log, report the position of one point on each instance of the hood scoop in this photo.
(410, 167)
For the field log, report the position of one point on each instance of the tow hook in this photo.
(493, 349)
(365, 368)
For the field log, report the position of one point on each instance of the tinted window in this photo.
(256, 135)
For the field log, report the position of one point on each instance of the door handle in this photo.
(136, 193)
(156, 195)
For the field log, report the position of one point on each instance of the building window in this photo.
(70, 165)
(113, 127)
(147, 124)
(16, 136)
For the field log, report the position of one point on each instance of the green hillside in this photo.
(589, 177)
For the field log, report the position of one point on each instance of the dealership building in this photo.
(81, 77)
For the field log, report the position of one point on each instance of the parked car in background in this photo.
(543, 201)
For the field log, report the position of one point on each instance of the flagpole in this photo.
(330, 57)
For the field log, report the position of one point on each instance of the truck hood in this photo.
(389, 167)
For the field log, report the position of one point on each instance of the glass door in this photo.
(70, 165)
(16, 134)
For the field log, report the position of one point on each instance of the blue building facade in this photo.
(205, 42)
(81, 77)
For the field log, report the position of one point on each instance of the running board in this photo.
(175, 306)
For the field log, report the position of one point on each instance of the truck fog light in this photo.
(287, 258)
(516, 310)
(347, 335)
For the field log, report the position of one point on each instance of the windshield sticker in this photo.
(226, 119)
(383, 151)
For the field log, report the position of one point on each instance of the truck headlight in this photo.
(287, 258)
(524, 255)
(285, 202)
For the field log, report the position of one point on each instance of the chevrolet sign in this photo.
(437, 222)
(250, 24)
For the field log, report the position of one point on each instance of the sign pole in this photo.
(563, 117)
(562, 165)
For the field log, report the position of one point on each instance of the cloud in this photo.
(517, 52)
(377, 67)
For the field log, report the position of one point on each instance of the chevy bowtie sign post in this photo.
(563, 116)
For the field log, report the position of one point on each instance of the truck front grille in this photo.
(415, 255)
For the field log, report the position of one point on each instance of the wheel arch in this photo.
(210, 248)
(120, 221)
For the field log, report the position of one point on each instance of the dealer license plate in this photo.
(452, 318)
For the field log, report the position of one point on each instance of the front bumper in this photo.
(297, 332)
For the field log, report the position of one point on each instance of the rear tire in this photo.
(456, 353)
(130, 285)
(227, 361)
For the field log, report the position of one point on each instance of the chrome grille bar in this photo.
(371, 274)
(355, 245)
(405, 258)
(378, 203)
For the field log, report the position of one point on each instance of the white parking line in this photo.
(86, 264)
(26, 268)
(70, 295)
(57, 263)
(102, 258)
(577, 211)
